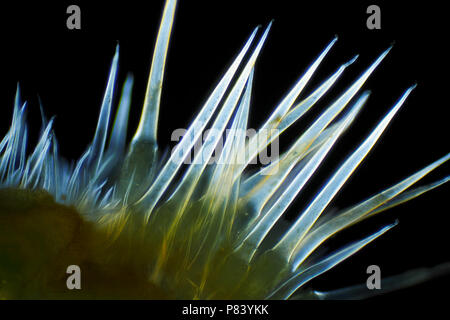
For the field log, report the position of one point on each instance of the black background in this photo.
(68, 69)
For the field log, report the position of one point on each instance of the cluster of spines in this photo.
(228, 194)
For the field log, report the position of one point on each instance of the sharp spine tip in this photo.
(352, 60)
